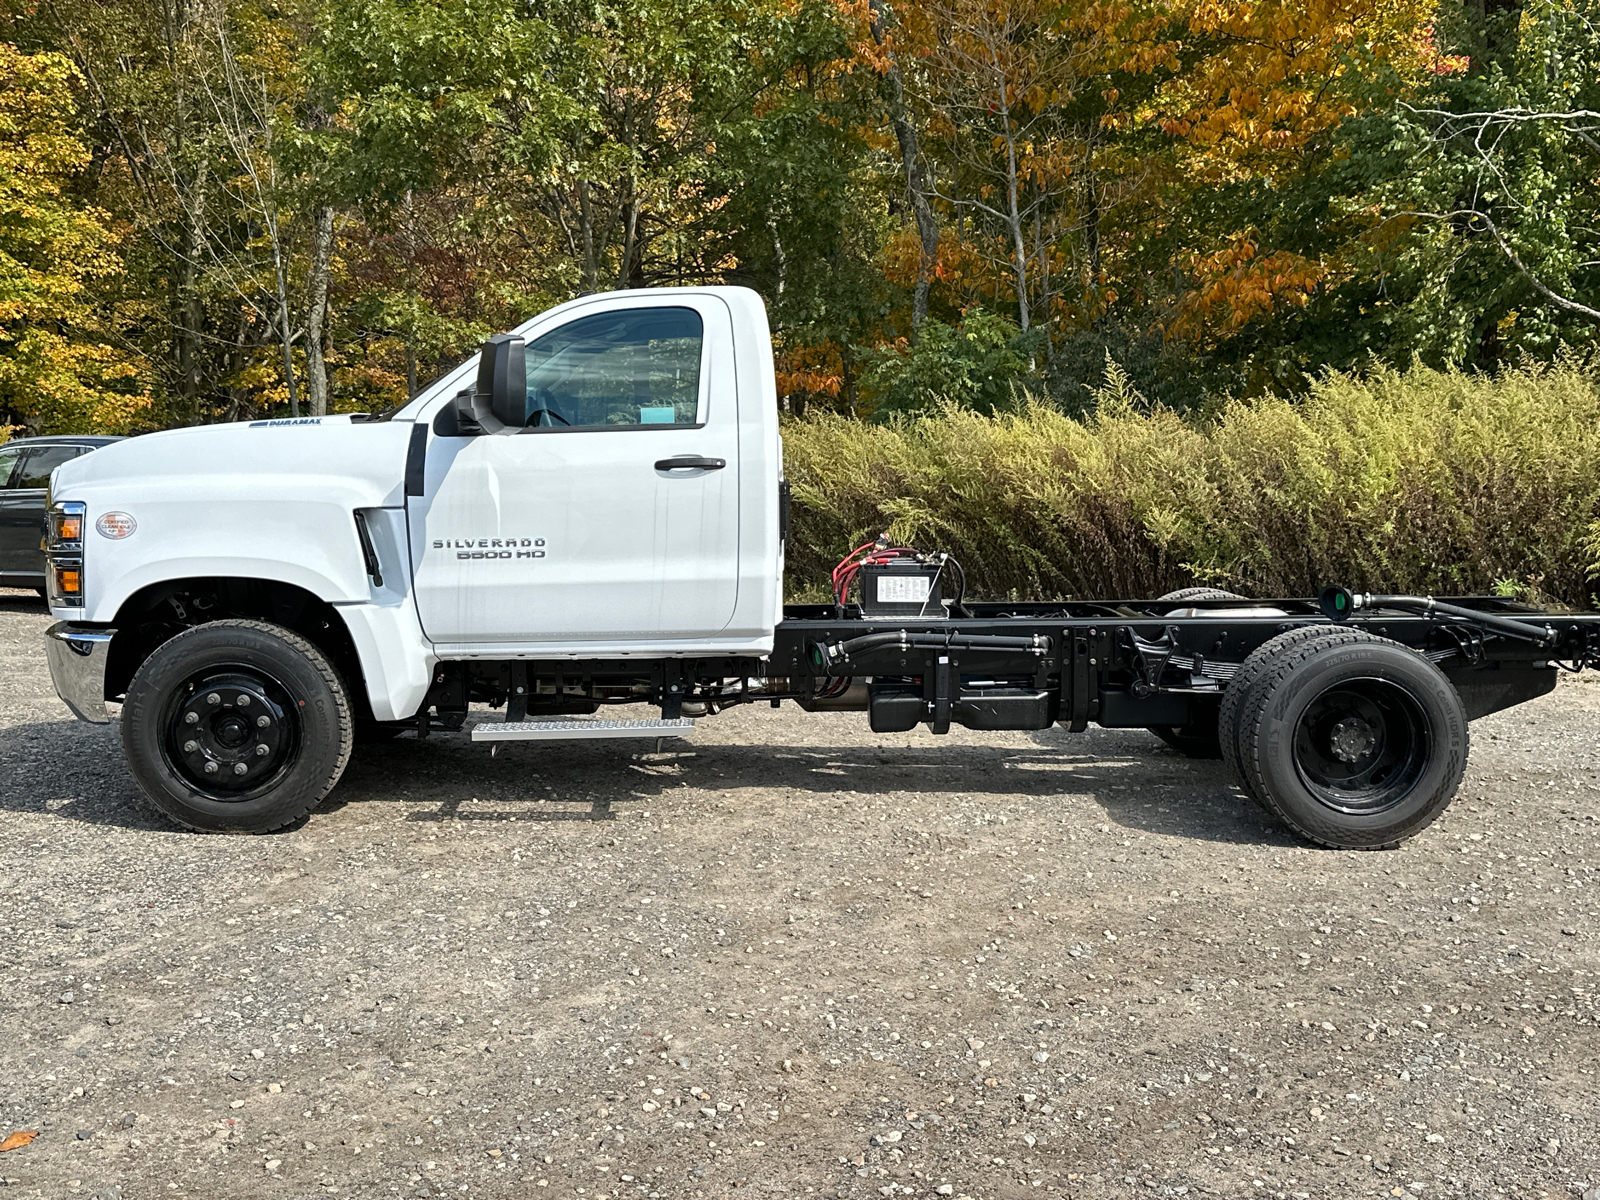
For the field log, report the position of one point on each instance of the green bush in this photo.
(1417, 481)
(977, 365)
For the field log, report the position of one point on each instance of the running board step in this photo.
(562, 731)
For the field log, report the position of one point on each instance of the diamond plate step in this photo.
(562, 731)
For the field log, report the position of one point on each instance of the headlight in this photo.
(63, 549)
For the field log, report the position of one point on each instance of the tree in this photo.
(999, 74)
(58, 370)
(1512, 152)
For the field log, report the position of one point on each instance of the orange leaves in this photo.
(1236, 284)
(18, 1139)
(1256, 80)
(810, 370)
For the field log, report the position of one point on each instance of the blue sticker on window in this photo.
(666, 415)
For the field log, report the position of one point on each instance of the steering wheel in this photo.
(541, 397)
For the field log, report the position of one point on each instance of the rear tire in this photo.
(236, 726)
(1243, 682)
(1351, 740)
(1199, 593)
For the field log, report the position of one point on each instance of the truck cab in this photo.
(601, 484)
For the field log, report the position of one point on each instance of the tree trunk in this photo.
(630, 243)
(188, 332)
(780, 261)
(1091, 232)
(1042, 253)
(285, 331)
(586, 235)
(317, 311)
(905, 134)
(1019, 246)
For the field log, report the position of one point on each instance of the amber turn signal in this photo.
(69, 581)
(69, 527)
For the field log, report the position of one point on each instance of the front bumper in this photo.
(78, 668)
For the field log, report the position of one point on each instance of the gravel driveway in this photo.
(792, 957)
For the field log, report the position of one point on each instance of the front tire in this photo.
(236, 726)
(1351, 740)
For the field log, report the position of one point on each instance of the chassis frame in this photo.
(1119, 664)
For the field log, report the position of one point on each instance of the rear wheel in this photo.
(1351, 740)
(1198, 739)
(236, 726)
(1259, 662)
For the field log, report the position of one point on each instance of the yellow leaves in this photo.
(55, 368)
(1263, 77)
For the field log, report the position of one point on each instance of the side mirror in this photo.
(503, 380)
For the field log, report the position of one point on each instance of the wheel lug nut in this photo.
(192, 718)
(263, 721)
(239, 768)
(260, 751)
(211, 768)
(213, 698)
(244, 700)
(191, 746)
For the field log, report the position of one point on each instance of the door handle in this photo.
(690, 462)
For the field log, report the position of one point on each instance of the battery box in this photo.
(904, 587)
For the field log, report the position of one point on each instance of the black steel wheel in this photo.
(236, 726)
(1361, 747)
(1351, 740)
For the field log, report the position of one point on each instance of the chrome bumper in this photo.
(78, 668)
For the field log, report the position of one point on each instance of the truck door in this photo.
(612, 515)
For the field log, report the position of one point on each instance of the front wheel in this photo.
(236, 726)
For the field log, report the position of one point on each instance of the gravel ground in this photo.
(794, 957)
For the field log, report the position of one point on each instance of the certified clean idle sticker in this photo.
(115, 525)
(903, 589)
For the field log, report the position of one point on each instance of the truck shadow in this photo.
(1125, 776)
(75, 772)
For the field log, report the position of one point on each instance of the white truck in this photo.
(593, 512)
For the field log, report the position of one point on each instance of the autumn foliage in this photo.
(216, 209)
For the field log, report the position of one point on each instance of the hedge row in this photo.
(1417, 481)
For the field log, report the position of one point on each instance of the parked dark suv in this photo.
(25, 466)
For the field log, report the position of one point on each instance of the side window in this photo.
(625, 369)
(37, 466)
(8, 463)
